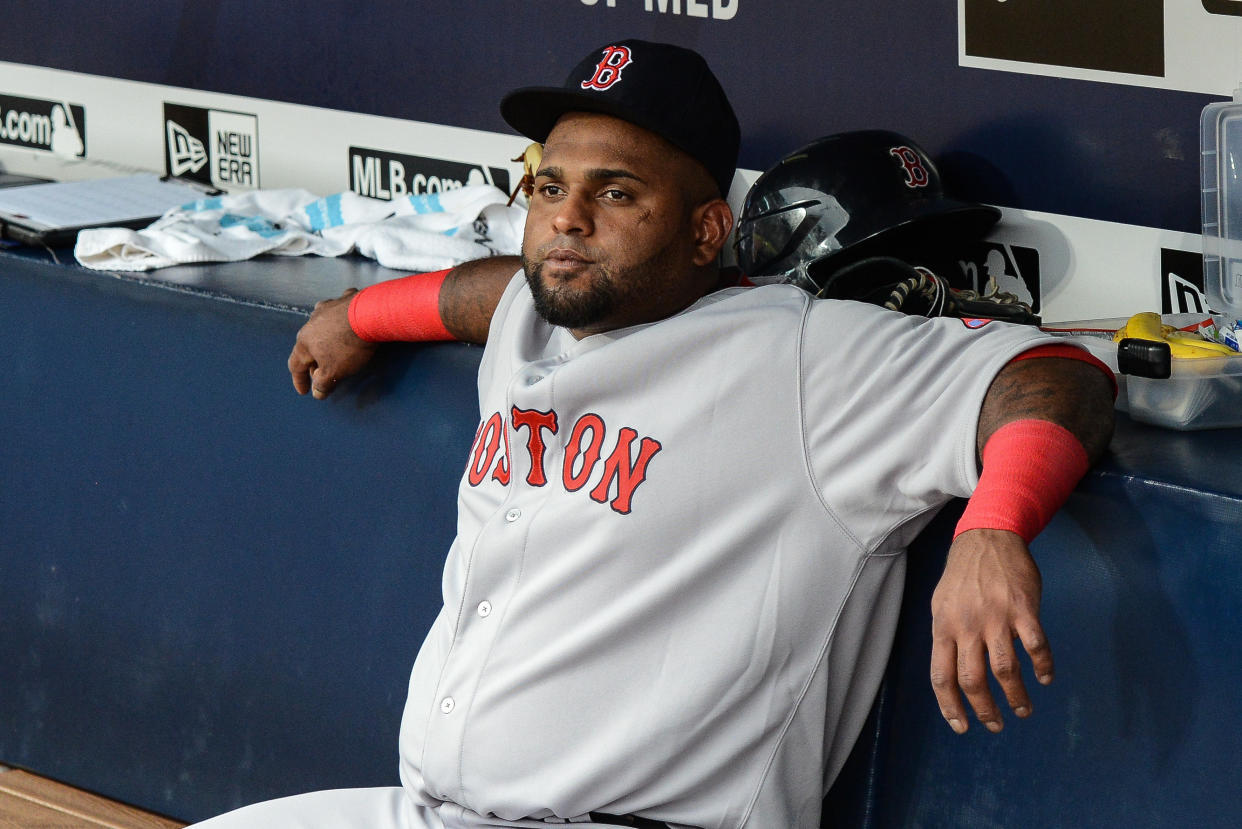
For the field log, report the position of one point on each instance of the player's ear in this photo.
(712, 220)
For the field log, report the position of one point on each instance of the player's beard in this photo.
(607, 291)
(572, 308)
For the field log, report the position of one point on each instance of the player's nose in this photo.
(573, 216)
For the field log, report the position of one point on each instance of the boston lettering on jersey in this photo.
(622, 472)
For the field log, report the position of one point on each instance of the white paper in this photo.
(95, 202)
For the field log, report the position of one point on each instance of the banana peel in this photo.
(1185, 338)
(1182, 344)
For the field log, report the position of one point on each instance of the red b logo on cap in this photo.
(608, 70)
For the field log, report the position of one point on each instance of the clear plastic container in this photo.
(1221, 166)
(1199, 394)
(1203, 393)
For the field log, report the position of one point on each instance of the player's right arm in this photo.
(328, 349)
(1043, 422)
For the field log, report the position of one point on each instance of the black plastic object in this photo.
(1144, 358)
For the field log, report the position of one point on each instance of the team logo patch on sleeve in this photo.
(974, 323)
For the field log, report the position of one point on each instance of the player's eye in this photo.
(613, 194)
(550, 190)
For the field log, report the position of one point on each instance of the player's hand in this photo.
(327, 350)
(988, 597)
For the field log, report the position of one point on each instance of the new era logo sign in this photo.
(186, 153)
(215, 147)
(1181, 284)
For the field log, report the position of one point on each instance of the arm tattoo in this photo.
(1070, 393)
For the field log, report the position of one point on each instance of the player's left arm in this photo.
(1043, 422)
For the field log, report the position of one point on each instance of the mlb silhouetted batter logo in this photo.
(916, 173)
(621, 471)
(36, 124)
(608, 70)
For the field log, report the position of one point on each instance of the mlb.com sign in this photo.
(387, 175)
(215, 147)
(43, 125)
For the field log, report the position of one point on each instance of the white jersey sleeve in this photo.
(890, 410)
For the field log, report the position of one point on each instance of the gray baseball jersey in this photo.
(679, 555)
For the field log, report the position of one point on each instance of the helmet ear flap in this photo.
(792, 228)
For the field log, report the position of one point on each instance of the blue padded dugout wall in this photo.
(212, 590)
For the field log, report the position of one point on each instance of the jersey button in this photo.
(447, 705)
(485, 609)
(513, 515)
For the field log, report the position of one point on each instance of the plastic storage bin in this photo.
(1220, 131)
(1198, 393)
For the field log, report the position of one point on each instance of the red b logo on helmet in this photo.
(916, 173)
(608, 70)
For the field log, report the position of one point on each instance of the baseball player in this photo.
(682, 520)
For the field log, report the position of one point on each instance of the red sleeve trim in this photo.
(406, 309)
(1068, 352)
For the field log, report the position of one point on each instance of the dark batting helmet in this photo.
(845, 199)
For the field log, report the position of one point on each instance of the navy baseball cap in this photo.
(660, 87)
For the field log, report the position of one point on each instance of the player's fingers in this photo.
(972, 677)
(322, 382)
(300, 368)
(1003, 658)
(944, 684)
(326, 303)
(1036, 644)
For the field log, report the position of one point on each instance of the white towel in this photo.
(426, 232)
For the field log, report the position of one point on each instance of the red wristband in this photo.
(406, 309)
(1030, 467)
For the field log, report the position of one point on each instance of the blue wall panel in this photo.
(213, 589)
(1141, 606)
